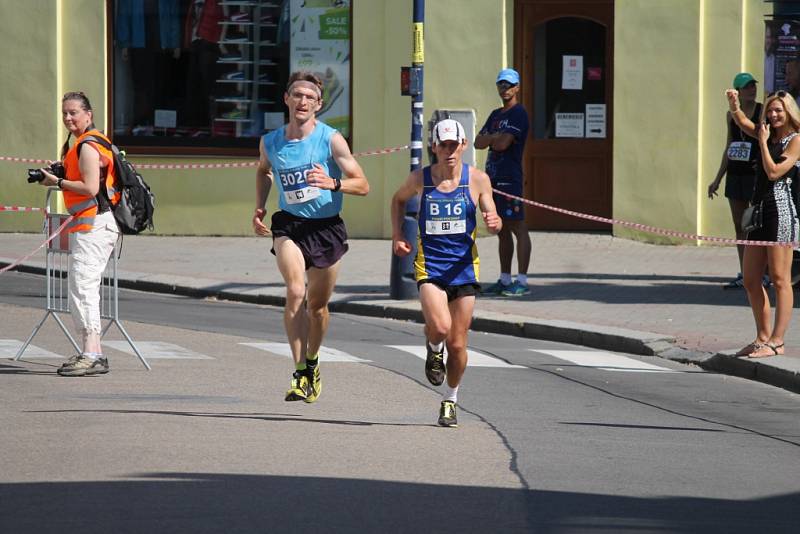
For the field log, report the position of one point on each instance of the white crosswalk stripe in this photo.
(158, 350)
(474, 358)
(9, 348)
(326, 354)
(605, 361)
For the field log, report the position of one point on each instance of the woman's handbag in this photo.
(753, 217)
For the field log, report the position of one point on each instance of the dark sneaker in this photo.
(299, 388)
(314, 384)
(495, 289)
(434, 366)
(447, 414)
(80, 365)
(736, 283)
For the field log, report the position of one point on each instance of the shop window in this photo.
(211, 74)
(569, 80)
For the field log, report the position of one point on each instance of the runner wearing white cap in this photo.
(446, 266)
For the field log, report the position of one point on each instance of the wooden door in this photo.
(564, 53)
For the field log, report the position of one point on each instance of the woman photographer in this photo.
(87, 186)
(777, 135)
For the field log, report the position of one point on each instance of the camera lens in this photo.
(35, 175)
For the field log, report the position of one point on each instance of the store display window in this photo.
(211, 74)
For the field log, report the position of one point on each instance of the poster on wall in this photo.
(596, 120)
(569, 124)
(321, 43)
(572, 72)
(781, 55)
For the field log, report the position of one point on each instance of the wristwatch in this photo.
(337, 185)
(58, 184)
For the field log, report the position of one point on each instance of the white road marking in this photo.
(474, 358)
(326, 354)
(157, 350)
(9, 348)
(605, 361)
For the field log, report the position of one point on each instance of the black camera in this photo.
(36, 175)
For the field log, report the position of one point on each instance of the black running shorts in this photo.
(322, 241)
(453, 292)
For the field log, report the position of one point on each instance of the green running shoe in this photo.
(447, 414)
(434, 366)
(515, 290)
(299, 389)
(314, 384)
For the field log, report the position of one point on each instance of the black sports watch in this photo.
(58, 184)
(338, 184)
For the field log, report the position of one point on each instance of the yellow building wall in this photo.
(466, 43)
(31, 111)
(673, 61)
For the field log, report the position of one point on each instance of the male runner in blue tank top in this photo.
(446, 266)
(312, 166)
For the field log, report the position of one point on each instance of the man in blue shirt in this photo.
(312, 167)
(504, 134)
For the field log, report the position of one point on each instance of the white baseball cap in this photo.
(448, 130)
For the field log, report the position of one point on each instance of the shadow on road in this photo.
(205, 502)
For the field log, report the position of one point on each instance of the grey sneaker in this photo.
(80, 365)
(447, 414)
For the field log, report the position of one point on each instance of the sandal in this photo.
(771, 346)
(749, 349)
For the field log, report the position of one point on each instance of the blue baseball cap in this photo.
(508, 75)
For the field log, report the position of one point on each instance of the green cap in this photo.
(742, 79)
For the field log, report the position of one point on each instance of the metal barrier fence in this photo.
(58, 283)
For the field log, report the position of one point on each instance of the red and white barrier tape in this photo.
(636, 226)
(232, 165)
(19, 208)
(52, 236)
(22, 160)
(650, 229)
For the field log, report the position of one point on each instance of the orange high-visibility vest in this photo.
(84, 207)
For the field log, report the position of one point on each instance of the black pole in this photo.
(402, 285)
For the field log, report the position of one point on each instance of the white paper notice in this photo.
(569, 124)
(596, 120)
(572, 77)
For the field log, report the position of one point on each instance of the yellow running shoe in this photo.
(299, 389)
(447, 414)
(314, 384)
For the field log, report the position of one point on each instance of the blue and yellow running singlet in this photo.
(446, 249)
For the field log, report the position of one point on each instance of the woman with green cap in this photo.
(738, 162)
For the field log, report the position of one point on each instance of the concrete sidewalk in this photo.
(587, 289)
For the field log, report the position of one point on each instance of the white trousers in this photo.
(90, 253)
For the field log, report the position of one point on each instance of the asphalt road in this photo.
(552, 437)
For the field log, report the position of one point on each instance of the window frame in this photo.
(193, 149)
